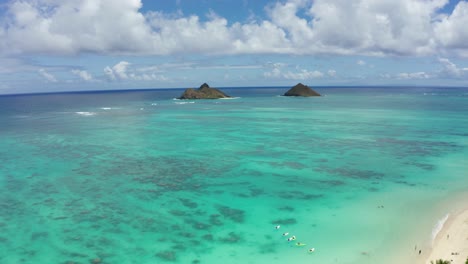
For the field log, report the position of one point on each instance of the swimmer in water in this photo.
(285, 234)
(299, 244)
(277, 227)
(311, 250)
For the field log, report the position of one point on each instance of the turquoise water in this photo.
(360, 175)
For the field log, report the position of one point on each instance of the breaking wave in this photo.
(85, 113)
(438, 227)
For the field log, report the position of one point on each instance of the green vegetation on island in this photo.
(441, 261)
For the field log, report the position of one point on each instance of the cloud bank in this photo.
(360, 27)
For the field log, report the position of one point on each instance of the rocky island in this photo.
(301, 90)
(204, 92)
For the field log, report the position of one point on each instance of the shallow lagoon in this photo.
(137, 177)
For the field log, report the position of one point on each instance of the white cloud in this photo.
(413, 75)
(361, 63)
(385, 76)
(275, 73)
(55, 26)
(120, 71)
(49, 77)
(188, 34)
(284, 15)
(398, 27)
(451, 31)
(366, 27)
(298, 74)
(110, 73)
(83, 75)
(450, 70)
(331, 73)
(303, 75)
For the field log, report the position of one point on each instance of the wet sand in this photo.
(451, 243)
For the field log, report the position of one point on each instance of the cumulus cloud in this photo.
(361, 63)
(84, 75)
(109, 73)
(450, 69)
(49, 77)
(366, 27)
(396, 27)
(451, 30)
(275, 73)
(120, 71)
(55, 26)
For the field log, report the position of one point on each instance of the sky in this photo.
(70, 45)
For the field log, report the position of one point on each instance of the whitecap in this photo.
(85, 113)
(109, 108)
(229, 98)
(181, 103)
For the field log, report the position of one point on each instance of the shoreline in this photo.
(451, 242)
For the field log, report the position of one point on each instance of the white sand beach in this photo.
(451, 242)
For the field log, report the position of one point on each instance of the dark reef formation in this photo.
(204, 92)
(301, 90)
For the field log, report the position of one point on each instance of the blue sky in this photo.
(67, 45)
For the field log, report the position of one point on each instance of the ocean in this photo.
(359, 175)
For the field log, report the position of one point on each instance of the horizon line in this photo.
(226, 87)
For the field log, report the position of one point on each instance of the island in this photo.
(301, 90)
(204, 92)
